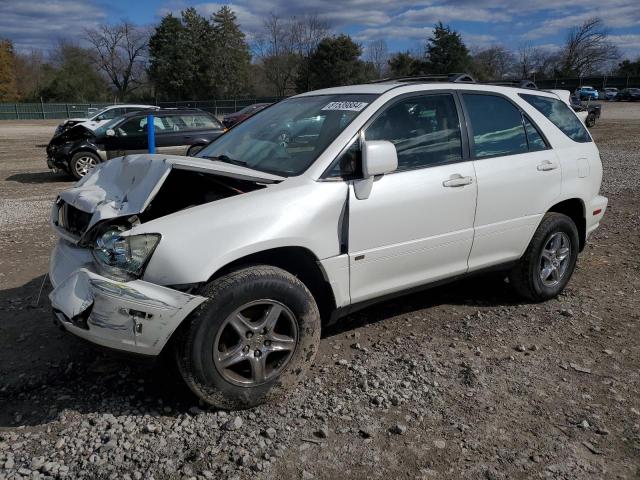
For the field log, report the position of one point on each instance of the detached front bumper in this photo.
(136, 316)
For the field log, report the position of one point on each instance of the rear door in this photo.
(416, 226)
(518, 174)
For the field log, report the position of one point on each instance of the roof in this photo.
(382, 87)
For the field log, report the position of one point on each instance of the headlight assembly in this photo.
(124, 256)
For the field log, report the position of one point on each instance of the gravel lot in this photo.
(462, 381)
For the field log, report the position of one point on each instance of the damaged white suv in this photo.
(312, 208)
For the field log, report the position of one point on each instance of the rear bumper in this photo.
(595, 212)
(136, 316)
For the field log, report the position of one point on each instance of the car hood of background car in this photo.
(125, 186)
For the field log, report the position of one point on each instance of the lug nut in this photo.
(257, 353)
(246, 349)
(267, 343)
(265, 331)
(249, 334)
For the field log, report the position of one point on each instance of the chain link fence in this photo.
(44, 111)
(221, 107)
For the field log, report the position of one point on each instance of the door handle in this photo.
(546, 166)
(457, 180)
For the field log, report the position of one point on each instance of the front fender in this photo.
(197, 242)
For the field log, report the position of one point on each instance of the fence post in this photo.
(235, 105)
(17, 114)
(42, 108)
(67, 105)
(215, 107)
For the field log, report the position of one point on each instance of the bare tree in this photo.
(282, 47)
(494, 62)
(120, 53)
(378, 55)
(587, 48)
(275, 48)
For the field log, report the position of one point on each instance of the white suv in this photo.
(312, 208)
(100, 117)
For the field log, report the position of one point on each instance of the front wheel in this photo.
(548, 263)
(252, 340)
(82, 162)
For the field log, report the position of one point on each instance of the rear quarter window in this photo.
(560, 115)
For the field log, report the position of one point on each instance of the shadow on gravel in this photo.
(489, 290)
(44, 371)
(39, 177)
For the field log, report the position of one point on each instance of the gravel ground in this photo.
(462, 381)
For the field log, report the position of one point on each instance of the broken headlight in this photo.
(124, 255)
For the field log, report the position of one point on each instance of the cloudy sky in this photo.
(403, 24)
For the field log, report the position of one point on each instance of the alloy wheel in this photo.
(84, 164)
(255, 343)
(554, 259)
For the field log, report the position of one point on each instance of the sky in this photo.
(39, 24)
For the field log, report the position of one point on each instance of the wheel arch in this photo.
(298, 261)
(574, 208)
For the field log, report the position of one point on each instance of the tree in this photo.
(306, 33)
(403, 64)
(494, 62)
(445, 52)
(30, 69)
(275, 47)
(71, 76)
(230, 64)
(8, 84)
(587, 49)
(169, 67)
(629, 68)
(336, 62)
(378, 56)
(119, 52)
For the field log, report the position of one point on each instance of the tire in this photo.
(526, 276)
(81, 162)
(199, 348)
(194, 149)
(591, 120)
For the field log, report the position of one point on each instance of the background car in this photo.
(233, 118)
(178, 132)
(610, 93)
(587, 93)
(628, 94)
(102, 116)
(588, 113)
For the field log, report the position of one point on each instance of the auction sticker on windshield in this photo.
(350, 106)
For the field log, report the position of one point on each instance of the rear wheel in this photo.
(82, 162)
(252, 341)
(591, 120)
(548, 263)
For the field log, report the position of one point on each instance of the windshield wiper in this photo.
(226, 159)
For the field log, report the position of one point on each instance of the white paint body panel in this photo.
(410, 231)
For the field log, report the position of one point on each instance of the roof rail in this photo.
(524, 83)
(450, 77)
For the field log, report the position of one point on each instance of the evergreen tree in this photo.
(336, 62)
(231, 59)
(445, 52)
(168, 63)
(403, 64)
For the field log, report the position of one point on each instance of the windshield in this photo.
(94, 115)
(288, 137)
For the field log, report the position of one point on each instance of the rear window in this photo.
(560, 115)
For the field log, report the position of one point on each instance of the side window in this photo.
(132, 126)
(110, 114)
(425, 131)
(535, 140)
(560, 115)
(496, 124)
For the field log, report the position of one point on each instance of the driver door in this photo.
(416, 226)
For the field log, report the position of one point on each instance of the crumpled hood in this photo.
(125, 186)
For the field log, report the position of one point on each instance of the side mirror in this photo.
(110, 133)
(378, 157)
